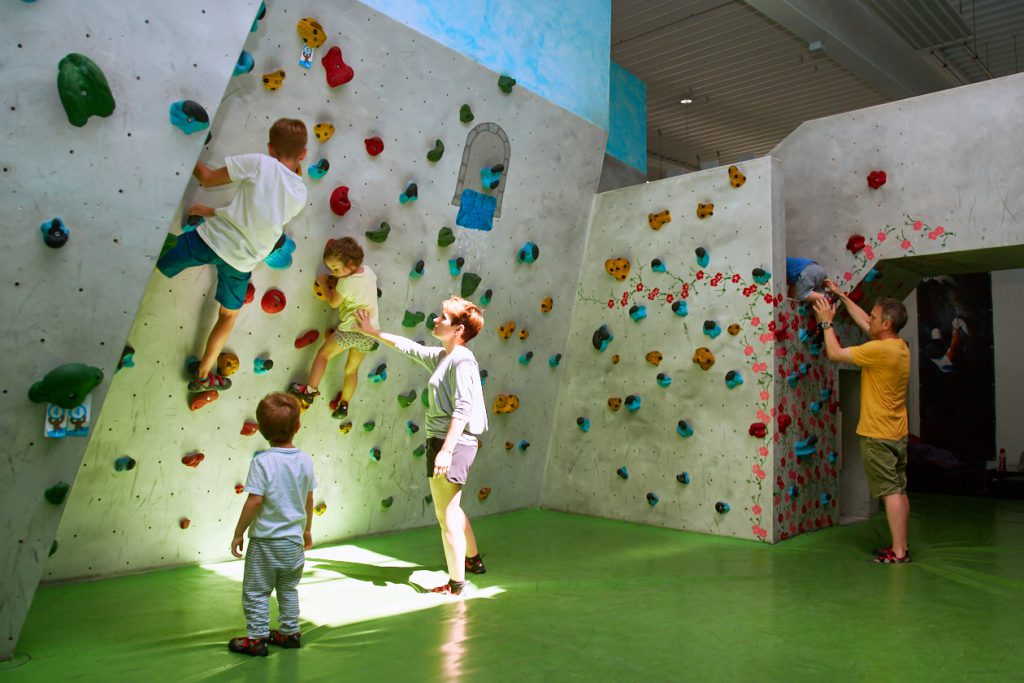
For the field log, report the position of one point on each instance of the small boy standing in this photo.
(806, 279)
(236, 238)
(279, 516)
(356, 289)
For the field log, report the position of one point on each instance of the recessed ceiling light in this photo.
(686, 100)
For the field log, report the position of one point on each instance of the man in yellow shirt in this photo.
(885, 368)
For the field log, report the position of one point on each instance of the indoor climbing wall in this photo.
(93, 172)
(415, 133)
(670, 378)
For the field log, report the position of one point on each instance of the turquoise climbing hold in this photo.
(281, 257)
(601, 337)
(555, 360)
(632, 403)
(189, 116)
(528, 253)
(526, 358)
(485, 300)
(622, 472)
(637, 313)
(683, 477)
(703, 257)
(490, 176)
(733, 379)
(658, 266)
(455, 265)
(652, 499)
(684, 429)
(680, 308)
(375, 454)
(319, 169)
(761, 276)
(417, 270)
(379, 374)
(244, 65)
(410, 194)
(663, 380)
(583, 423)
(712, 328)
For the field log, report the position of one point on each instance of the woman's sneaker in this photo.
(212, 382)
(450, 588)
(290, 641)
(889, 557)
(305, 394)
(341, 412)
(475, 565)
(254, 647)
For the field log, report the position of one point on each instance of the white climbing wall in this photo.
(722, 459)
(115, 182)
(408, 90)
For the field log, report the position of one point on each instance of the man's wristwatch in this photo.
(825, 325)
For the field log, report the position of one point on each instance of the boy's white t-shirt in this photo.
(269, 195)
(284, 477)
(357, 291)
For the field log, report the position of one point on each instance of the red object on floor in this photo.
(758, 429)
(250, 293)
(307, 339)
(273, 301)
(340, 203)
(185, 523)
(203, 399)
(855, 244)
(338, 72)
(876, 179)
(193, 460)
(374, 146)
(249, 428)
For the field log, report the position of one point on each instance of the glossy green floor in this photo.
(571, 598)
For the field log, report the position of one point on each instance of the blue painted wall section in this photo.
(559, 50)
(627, 118)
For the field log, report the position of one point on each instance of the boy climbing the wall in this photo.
(237, 237)
(806, 279)
(356, 290)
(279, 516)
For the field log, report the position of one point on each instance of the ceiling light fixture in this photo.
(686, 100)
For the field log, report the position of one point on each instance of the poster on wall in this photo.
(956, 365)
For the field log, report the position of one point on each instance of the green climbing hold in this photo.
(169, 243)
(425, 398)
(465, 114)
(405, 400)
(53, 548)
(419, 451)
(83, 89)
(381, 234)
(506, 83)
(411, 319)
(470, 281)
(369, 425)
(56, 493)
(387, 502)
(66, 385)
(436, 153)
(445, 237)
(430, 321)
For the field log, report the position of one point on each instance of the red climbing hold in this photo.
(250, 293)
(239, 488)
(273, 301)
(336, 401)
(249, 428)
(307, 339)
(855, 244)
(192, 460)
(340, 203)
(374, 146)
(202, 399)
(876, 179)
(758, 429)
(783, 421)
(185, 523)
(338, 72)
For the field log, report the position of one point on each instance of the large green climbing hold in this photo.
(57, 493)
(83, 89)
(381, 234)
(465, 114)
(405, 400)
(470, 281)
(411, 319)
(169, 242)
(445, 237)
(436, 153)
(506, 83)
(425, 398)
(66, 385)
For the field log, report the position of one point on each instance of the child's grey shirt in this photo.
(284, 477)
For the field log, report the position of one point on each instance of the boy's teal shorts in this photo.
(190, 250)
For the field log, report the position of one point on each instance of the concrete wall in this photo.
(721, 458)
(408, 90)
(116, 183)
(560, 51)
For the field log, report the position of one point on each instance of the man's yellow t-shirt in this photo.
(885, 369)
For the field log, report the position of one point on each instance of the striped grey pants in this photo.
(272, 564)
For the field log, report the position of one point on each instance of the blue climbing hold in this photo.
(825, 498)
(815, 408)
(814, 350)
(652, 499)
(411, 194)
(833, 457)
(417, 270)
(680, 308)
(872, 275)
(525, 358)
(712, 328)
(319, 169)
(261, 366)
(244, 65)
(637, 313)
(55, 233)
(806, 447)
(528, 253)
(485, 300)
(523, 445)
(601, 337)
(476, 210)
(583, 423)
(379, 374)
(683, 477)
(555, 360)
(124, 463)
(189, 116)
(825, 394)
(761, 276)
(793, 490)
(622, 472)
(633, 403)
(658, 266)
(793, 379)
(703, 257)
(259, 15)
(455, 266)
(483, 380)
(490, 176)
(804, 335)
(804, 368)
(281, 257)
(684, 429)
(722, 507)
(733, 379)
(663, 379)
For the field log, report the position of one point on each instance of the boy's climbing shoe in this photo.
(288, 642)
(254, 647)
(475, 565)
(304, 394)
(882, 551)
(889, 557)
(341, 412)
(212, 382)
(450, 588)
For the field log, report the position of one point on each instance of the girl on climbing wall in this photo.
(456, 417)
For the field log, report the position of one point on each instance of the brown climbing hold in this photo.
(654, 358)
(506, 330)
(506, 403)
(524, 335)
(618, 268)
(705, 210)
(614, 403)
(546, 304)
(509, 445)
(615, 359)
(704, 358)
(734, 329)
(273, 80)
(736, 179)
(311, 32)
(192, 460)
(249, 428)
(337, 71)
(323, 131)
(656, 220)
(185, 523)
(483, 493)
(306, 338)
(202, 399)
(227, 364)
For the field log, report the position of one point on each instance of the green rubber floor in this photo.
(570, 598)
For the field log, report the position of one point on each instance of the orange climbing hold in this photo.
(615, 359)
(509, 445)
(307, 338)
(704, 358)
(227, 363)
(736, 179)
(506, 330)
(656, 220)
(506, 403)
(618, 268)
(274, 79)
(249, 428)
(311, 32)
(615, 403)
(705, 210)
(185, 523)
(546, 304)
(524, 335)
(192, 460)
(734, 329)
(654, 358)
(483, 493)
(323, 131)
(202, 399)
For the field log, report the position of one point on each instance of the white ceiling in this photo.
(748, 67)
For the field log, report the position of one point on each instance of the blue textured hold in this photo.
(826, 498)
(281, 257)
(712, 328)
(189, 116)
(622, 472)
(652, 499)
(490, 176)
(680, 308)
(684, 429)
(793, 491)
(658, 266)
(815, 408)
(793, 379)
(804, 335)
(583, 423)
(555, 360)
(523, 445)
(703, 257)
(455, 266)
(683, 477)
(664, 380)
(528, 253)
(319, 169)
(814, 350)
(733, 379)
(601, 337)
(261, 366)
(806, 447)
(804, 368)
(55, 233)
(244, 65)
(633, 403)
(761, 276)
(476, 211)
(872, 275)
(379, 374)
(638, 313)
(833, 457)
(825, 394)
(526, 358)
(259, 15)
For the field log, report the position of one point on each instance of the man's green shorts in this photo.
(885, 463)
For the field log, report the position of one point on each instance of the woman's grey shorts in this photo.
(462, 459)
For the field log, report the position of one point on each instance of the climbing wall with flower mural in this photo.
(670, 380)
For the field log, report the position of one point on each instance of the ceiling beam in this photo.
(857, 38)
